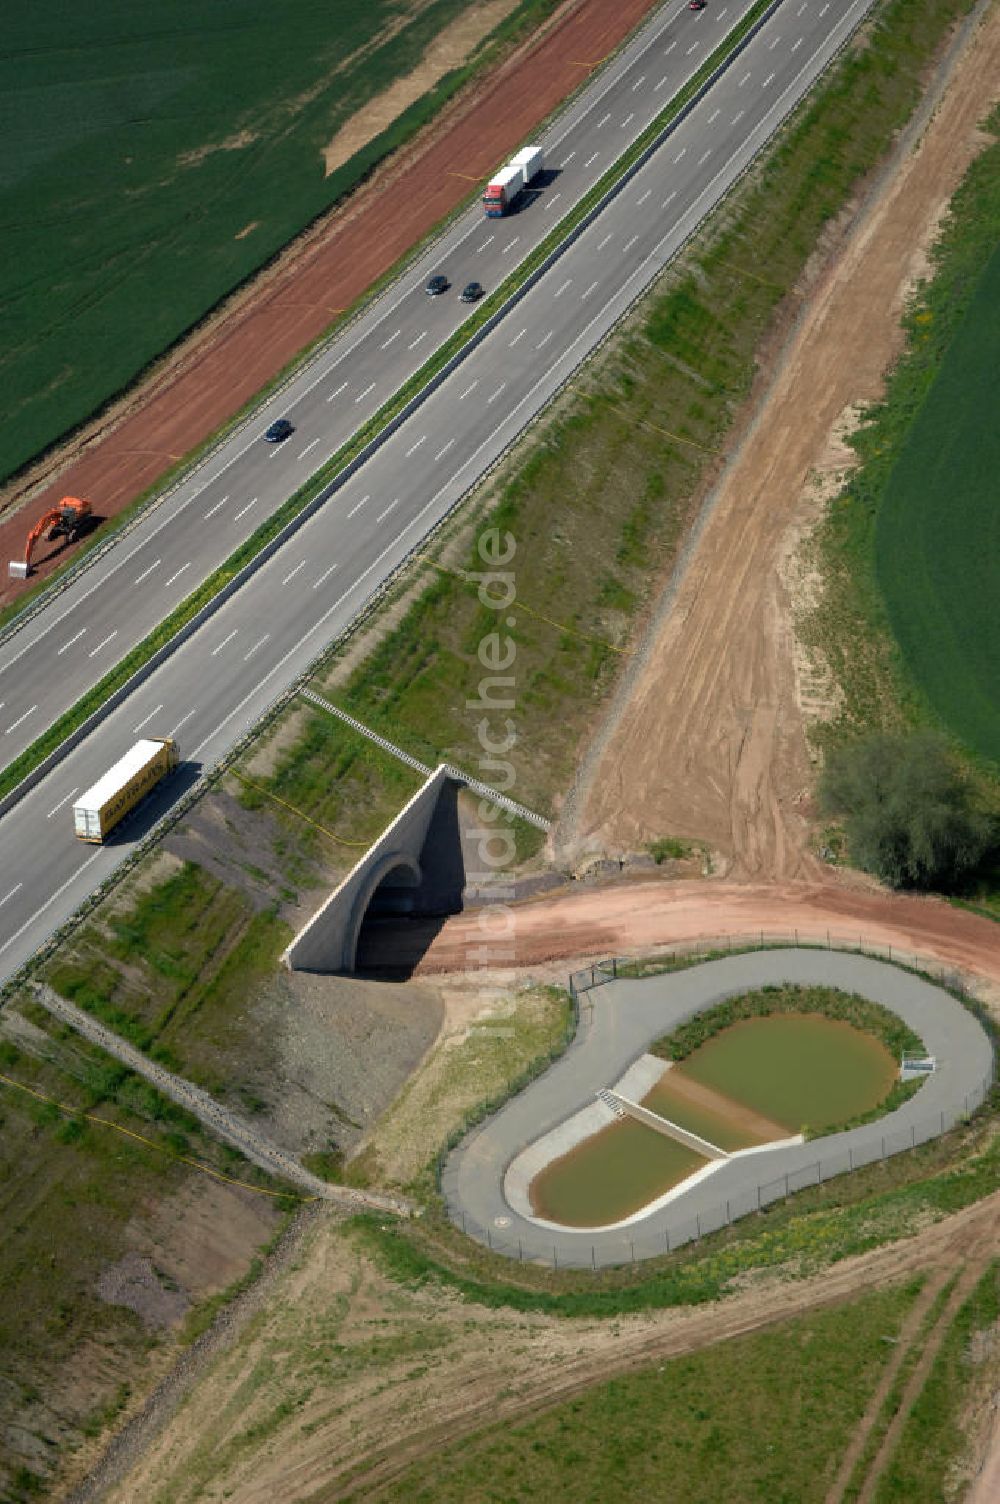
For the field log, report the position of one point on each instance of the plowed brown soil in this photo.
(214, 376)
(710, 744)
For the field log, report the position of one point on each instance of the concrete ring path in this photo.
(617, 1023)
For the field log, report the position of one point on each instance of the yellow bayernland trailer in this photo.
(98, 811)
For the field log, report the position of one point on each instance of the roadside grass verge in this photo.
(905, 549)
(75, 1198)
(173, 973)
(765, 1416)
(332, 792)
(935, 1437)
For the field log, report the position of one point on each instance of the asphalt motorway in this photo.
(47, 665)
(218, 684)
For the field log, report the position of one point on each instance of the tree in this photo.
(907, 809)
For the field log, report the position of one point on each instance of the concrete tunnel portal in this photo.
(414, 871)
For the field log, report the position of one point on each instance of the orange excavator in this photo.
(65, 520)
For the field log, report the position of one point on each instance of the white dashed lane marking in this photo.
(103, 644)
(57, 807)
(20, 720)
(146, 720)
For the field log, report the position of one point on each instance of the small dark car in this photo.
(436, 286)
(471, 292)
(280, 429)
(696, 4)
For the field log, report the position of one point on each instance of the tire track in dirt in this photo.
(908, 1335)
(972, 1272)
(936, 1250)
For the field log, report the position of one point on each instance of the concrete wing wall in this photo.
(329, 941)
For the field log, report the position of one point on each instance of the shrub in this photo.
(907, 810)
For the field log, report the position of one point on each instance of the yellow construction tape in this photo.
(301, 813)
(519, 604)
(742, 271)
(705, 448)
(183, 1159)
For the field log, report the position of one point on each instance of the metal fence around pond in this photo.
(565, 1249)
(614, 968)
(568, 1250)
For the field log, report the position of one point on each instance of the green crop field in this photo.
(761, 1418)
(155, 156)
(937, 540)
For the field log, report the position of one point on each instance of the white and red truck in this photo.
(505, 185)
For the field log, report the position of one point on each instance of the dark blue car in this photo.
(279, 429)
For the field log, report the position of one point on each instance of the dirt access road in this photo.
(632, 918)
(709, 740)
(213, 375)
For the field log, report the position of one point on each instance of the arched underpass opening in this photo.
(406, 900)
(393, 927)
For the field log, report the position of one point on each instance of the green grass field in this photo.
(74, 1198)
(141, 142)
(174, 972)
(937, 536)
(909, 550)
(921, 1469)
(762, 1418)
